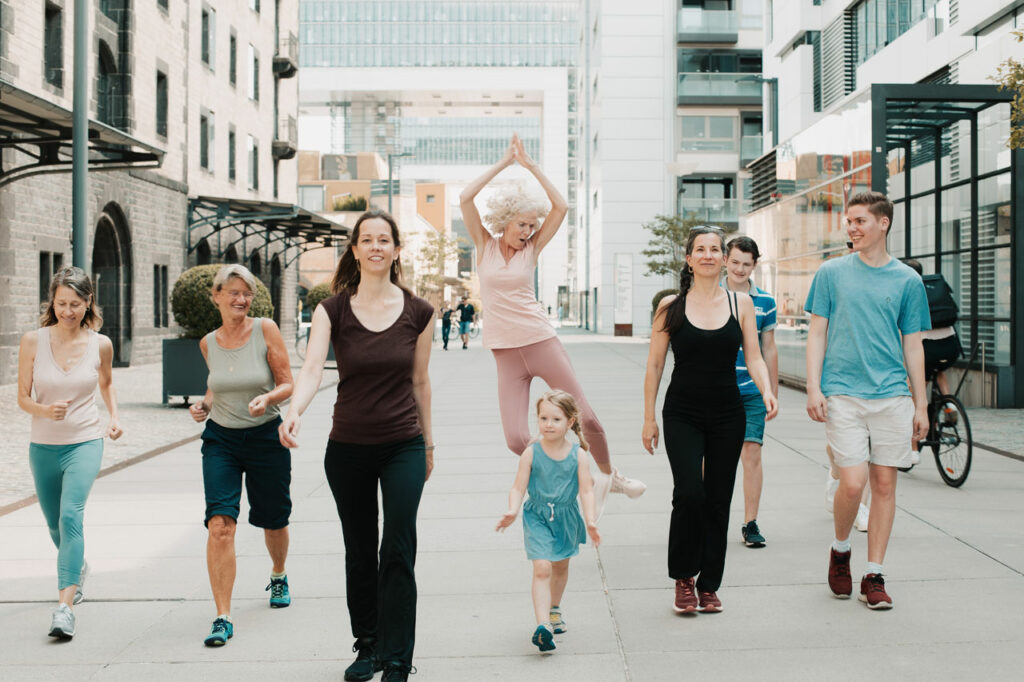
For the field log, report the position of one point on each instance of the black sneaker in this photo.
(366, 663)
(396, 671)
(752, 535)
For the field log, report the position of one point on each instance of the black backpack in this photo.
(941, 305)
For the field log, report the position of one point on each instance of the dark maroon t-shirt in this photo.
(375, 400)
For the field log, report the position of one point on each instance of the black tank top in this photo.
(705, 361)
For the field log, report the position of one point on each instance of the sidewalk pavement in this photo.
(955, 566)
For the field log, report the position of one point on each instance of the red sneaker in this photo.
(686, 597)
(709, 602)
(872, 592)
(839, 580)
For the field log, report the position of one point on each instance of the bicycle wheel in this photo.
(953, 444)
(474, 331)
(301, 341)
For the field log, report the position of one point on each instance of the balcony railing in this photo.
(718, 88)
(286, 61)
(712, 211)
(697, 25)
(751, 147)
(286, 141)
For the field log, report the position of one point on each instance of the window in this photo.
(49, 263)
(231, 153)
(209, 29)
(107, 90)
(206, 140)
(254, 74)
(161, 103)
(254, 5)
(708, 133)
(160, 316)
(718, 61)
(233, 58)
(311, 197)
(163, 5)
(254, 163)
(431, 198)
(53, 46)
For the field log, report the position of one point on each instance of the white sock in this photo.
(841, 545)
(873, 568)
(225, 617)
(278, 575)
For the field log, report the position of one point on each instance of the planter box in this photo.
(184, 369)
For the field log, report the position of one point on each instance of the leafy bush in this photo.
(194, 309)
(317, 294)
(349, 203)
(660, 295)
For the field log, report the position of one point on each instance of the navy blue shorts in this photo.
(257, 454)
(753, 405)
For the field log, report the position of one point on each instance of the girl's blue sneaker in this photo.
(279, 595)
(543, 638)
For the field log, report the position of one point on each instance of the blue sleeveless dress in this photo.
(553, 527)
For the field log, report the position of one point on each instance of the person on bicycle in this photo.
(941, 344)
(466, 314)
(867, 313)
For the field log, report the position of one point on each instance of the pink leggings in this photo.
(548, 360)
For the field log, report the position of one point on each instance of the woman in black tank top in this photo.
(703, 415)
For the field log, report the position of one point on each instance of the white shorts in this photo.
(877, 430)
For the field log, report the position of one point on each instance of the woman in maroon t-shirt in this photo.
(381, 334)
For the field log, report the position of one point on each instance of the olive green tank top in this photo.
(237, 376)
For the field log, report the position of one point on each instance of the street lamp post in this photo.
(79, 137)
(393, 156)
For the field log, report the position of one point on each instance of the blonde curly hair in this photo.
(509, 202)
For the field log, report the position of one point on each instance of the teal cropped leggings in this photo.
(64, 475)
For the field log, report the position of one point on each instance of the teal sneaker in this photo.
(752, 535)
(543, 639)
(220, 632)
(557, 622)
(279, 596)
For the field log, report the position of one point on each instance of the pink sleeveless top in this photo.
(515, 317)
(50, 383)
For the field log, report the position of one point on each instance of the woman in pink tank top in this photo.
(60, 366)
(517, 332)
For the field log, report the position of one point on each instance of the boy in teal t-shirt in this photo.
(867, 313)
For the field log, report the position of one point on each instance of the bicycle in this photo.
(949, 433)
(474, 329)
(302, 338)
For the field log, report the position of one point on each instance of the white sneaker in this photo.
(630, 487)
(862, 519)
(63, 624)
(602, 486)
(830, 493)
(915, 457)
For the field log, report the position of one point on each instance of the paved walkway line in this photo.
(997, 451)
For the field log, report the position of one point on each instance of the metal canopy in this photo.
(293, 226)
(42, 130)
(919, 111)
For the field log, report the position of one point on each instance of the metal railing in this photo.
(718, 85)
(698, 20)
(713, 211)
(751, 147)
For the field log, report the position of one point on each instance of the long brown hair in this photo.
(676, 310)
(567, 404)
(346, 275)
(75, 279)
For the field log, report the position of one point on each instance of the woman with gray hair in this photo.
(518, 333)
(60, 366)
(250, 375)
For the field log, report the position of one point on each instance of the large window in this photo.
(208, 29)
(879, 22)
(708, 134)
(233, 58)
(53, 46)
(206, 140)
(254, 74)
(232, 144)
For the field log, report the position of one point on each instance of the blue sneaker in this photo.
(752, 535)
(220, 632)
(279, 596)
(543, 638)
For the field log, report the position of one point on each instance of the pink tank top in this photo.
(514, 316)
(50, 383)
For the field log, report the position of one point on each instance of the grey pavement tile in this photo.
(47, 671)
(559, 665)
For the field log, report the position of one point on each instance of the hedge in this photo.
(193, 307)
(317, 294)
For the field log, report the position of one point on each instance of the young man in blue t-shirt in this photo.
(867, 313)
(742, 255)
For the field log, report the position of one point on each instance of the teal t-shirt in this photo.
(868, 310)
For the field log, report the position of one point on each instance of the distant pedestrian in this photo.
(466, 315)
(703, 413)
(446, 323)
(867, 313)
(554, 471)
(381, 436)
(60, 365)
(250, 375)
(518, 333)
(742, 255)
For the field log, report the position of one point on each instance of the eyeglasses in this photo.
(704, 229)
(247, 295)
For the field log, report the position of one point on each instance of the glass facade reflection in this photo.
(465, 140)
(447, 33)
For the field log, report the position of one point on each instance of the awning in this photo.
(42, 130)
(292, 226)
(921, 111)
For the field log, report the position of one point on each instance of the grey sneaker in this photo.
(79, 594)
(63, 624)
(558, 625)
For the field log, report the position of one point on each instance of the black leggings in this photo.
(712, 437)
(381, 595)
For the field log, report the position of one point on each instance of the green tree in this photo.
(438, 250)
(666, 249)
(1010, 76)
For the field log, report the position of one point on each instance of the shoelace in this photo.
(706, 596)
(686, 587)
(393, 669)
(276, 588)
(876, 583)
(752, 528)
(219, 625)
(843, 568)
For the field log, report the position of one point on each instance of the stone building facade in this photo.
(198, 100)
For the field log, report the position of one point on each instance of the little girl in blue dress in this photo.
(554, 471)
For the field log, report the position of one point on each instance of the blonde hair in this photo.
(567, 404)
(234, 270)
(75, 279)
(504, 205)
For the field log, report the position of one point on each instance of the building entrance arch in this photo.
(112, 277)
